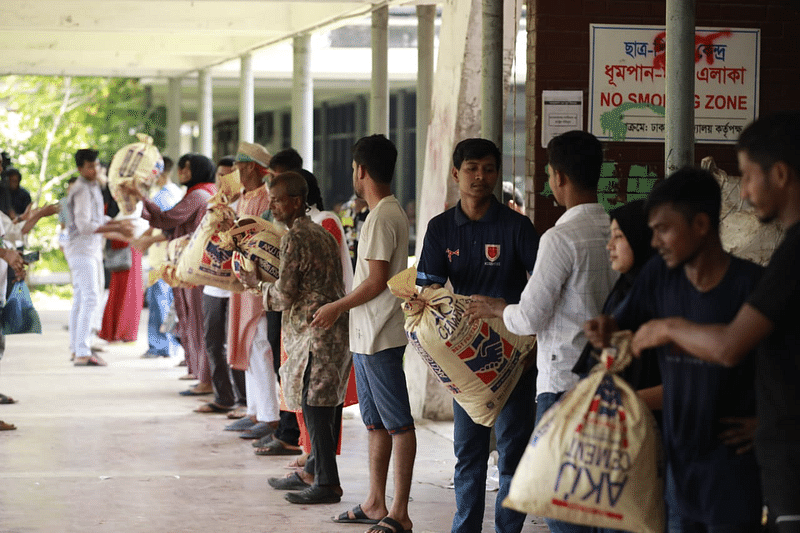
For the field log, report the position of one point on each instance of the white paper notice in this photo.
(562, 111)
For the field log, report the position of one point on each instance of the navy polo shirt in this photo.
(491, 256)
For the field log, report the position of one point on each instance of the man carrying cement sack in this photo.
(571, 278)
(483, 247)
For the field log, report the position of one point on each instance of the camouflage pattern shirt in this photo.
(310, 276)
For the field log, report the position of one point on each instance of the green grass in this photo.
(57, 291)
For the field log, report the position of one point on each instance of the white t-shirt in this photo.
(378, 324)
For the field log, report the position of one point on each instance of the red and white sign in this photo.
(627, 86)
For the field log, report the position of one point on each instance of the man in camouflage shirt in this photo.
(314, 377)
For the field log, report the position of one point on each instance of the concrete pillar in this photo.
(492, 77)
(206, 113)
(401, 177)
(246, 100)
(173, 147)
(679, 110)
(303, 101)
(379, 104)
(426, 16)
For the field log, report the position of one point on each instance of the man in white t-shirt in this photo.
(377, 338)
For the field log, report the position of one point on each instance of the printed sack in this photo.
(595, 456)
(207, 257)
(206, 260)
(168, 268)
(138, 163)
(257, 246)
(478, 362)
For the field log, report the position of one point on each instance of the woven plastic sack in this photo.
(595, 457)
(257, 246)
(167, 270)
(206, 260)
(138, 163)
(478, 362)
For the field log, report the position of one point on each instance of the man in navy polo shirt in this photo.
(483, 247)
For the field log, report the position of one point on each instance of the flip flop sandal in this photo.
(92, 360)
(292, 482)
(239, 412)
(240, 425)
(211, 407)
(261, 429)
(6, 427)
(4, 400)
(191, 392)
(277, 448)
(358, 513)
(391, 526)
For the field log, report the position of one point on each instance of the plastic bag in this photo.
(19, 316)
(595, 457)
(478, 362)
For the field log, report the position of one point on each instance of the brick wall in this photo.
(558, 59)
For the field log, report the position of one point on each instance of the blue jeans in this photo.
(513, 428)
(544, 402)
(382, 391)
(159, 300)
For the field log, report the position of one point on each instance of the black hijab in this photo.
(202, 169)
(632, 220)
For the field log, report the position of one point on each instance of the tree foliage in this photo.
(44, 120)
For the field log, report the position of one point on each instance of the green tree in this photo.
(44, 120)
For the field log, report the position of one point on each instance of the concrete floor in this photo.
(116, 449)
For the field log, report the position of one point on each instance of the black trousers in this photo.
(215, 325)
(288, 430)
(323, 425)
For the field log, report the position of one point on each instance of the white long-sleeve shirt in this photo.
(85, 206)
(571, 279)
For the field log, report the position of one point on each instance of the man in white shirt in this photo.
(571, 278)
(377, 338)
(84, 252)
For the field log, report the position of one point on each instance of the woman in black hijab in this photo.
(629, 249)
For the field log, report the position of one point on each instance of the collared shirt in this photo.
(378, 324)
(85, 206)
(569, 284)
(491, 256)
(310, 277)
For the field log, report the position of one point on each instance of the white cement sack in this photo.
(478, 362)
(257, 246)
(205, 260)
(168, 270)
(595, 456)
(136, 163)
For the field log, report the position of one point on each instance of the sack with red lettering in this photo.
(256, 247)
(206, 260)
(479, 362)
(207, 257)
(595, 456)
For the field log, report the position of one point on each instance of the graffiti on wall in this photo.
(636, 180)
